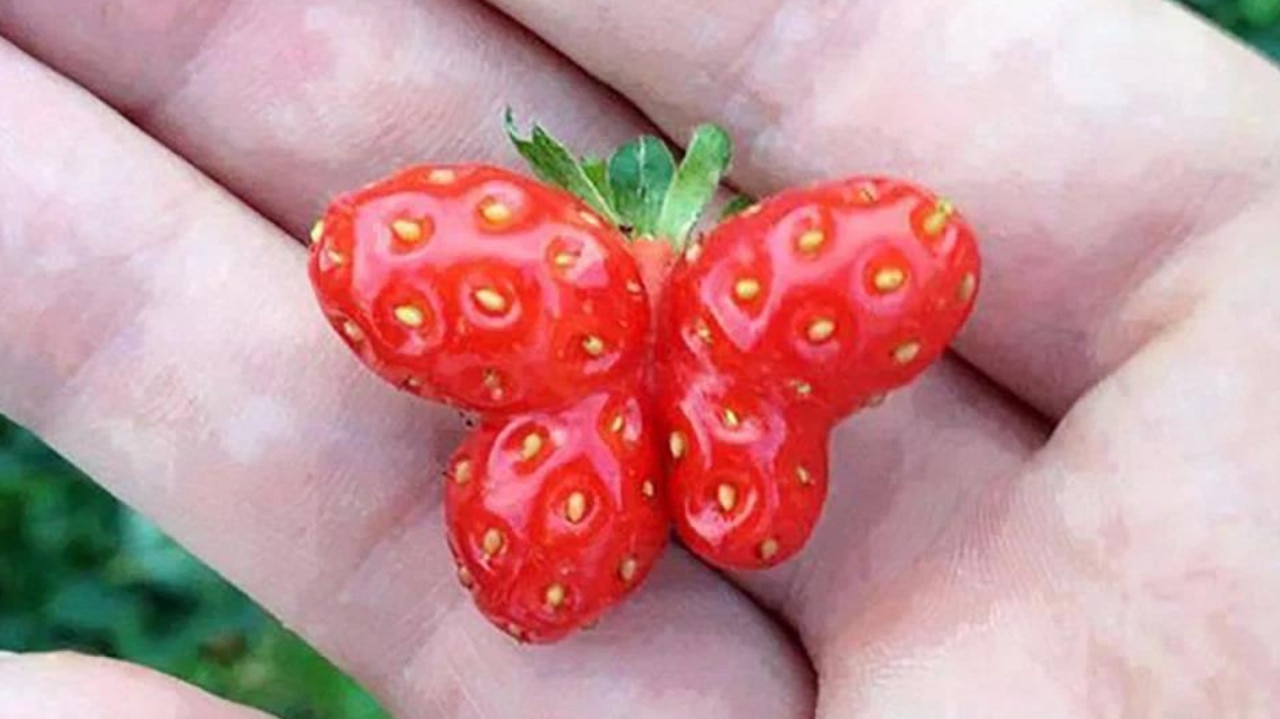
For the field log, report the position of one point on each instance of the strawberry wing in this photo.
(783, 321)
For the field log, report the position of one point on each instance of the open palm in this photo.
(1076, 514)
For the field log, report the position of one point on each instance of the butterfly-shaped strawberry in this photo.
(624, 373)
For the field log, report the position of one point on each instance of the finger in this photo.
(288, 103)
(1088, 141)
(52, 686)
(152, 334)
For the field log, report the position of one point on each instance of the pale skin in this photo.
(1074, 515)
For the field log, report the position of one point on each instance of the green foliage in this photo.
(79, 571)
(1257, 22)
(640, 188)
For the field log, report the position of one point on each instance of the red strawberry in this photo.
(480, 287)
(509, 297)
(499, 294)
(786, 319)
(555, 516)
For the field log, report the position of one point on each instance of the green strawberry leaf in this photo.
(640, 174)
(695, 183)
(597, 171)
(555, 165)
(736, 206)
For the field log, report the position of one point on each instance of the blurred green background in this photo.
(79, 571)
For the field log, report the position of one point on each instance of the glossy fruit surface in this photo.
(555, 516)
(480, 287)
(783, 321)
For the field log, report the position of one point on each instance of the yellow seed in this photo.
(875, 400)
(821, 330)
(407, 230)
(678, 445)
(968, 284)
(634, 287)
(703, 331)
(905, 352)
(492, 541)
(413, 383)
(462, 471)
(335, 257)
(811, 241)
(492, 379)
(867, 193)
(693, 252)
(731, 419)
(515, 631)
(936, 222)
(889, 279)
(627, 569)
(589, 218)
(746, 289)
(410, 316)
(442, 177)
(491, 300)
(575, 507)
(495, 212)
(555, 595)
(727, 497)
(768, 549)
(352, 331)
(464, 577)
(647, 489)
(592, 345)
(317, 231)
(802, 388)
(754, 209)
(617, 424)
(531, 445)
(564, 259)
(803, 475)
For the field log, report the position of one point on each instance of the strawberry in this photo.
(783, 321)
(481, 288)
(553, 516)
(528, 303)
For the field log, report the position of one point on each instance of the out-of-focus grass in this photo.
(1257, 22)
(79, 571)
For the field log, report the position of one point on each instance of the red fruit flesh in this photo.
(549, 532)
(482, 288)
(804, 309)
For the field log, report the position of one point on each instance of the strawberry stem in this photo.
(640, 189)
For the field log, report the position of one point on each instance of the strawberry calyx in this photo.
(641, 189)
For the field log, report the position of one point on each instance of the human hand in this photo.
(1073, 516)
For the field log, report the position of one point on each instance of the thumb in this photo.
(66, 685)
